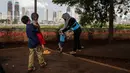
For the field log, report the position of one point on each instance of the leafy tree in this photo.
(91, 11)
(4, 20)
(94, 11)
(98, 11)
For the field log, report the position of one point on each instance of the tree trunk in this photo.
(111, 19)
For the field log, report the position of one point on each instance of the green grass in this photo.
(49, 26)
(120, 26)
(24, 26)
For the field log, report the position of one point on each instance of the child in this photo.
(35, 17)
(63, 37)
(61, 42)
(33, 44)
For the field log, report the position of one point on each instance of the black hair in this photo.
(25, 19)
(34, 16)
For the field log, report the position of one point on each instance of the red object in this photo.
(41, 39)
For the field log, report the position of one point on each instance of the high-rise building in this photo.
(16, 12)
(68, 9)
(59, 17)
(27, 13)
(47, 15)
(0, 15)
(23, 11)
(10, 11)
(54, 16)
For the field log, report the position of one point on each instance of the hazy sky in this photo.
(29, 4)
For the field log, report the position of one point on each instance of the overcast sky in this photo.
(29, 4)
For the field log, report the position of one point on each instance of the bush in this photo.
(61, 26)
(120, 26)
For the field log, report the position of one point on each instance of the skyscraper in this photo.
(59, 17)
(16, 12)
(10, 11)
(54, 16)
(0, 15)
(27, 13)
(68, 9)
(23, 11)
(47, 15)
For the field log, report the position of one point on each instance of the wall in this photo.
(14, 35)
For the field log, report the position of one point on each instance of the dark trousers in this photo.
(1, 69)
(77, 44)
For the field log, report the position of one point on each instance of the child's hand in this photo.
(60, 32)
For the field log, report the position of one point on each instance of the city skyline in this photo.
(47, 4)
(43, 14)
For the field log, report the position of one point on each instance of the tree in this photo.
(92, 11)
(98, 11)
(111, 18)
(120, 4)
(4, 20)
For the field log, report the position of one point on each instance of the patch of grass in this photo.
(24, 26)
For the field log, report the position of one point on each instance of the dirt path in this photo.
(14, 58)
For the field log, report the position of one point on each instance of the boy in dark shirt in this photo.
(33, 44)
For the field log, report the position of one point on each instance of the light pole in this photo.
(35, 6)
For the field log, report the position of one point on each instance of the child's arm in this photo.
(35, 23)
(35, 29)
(60, 32)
